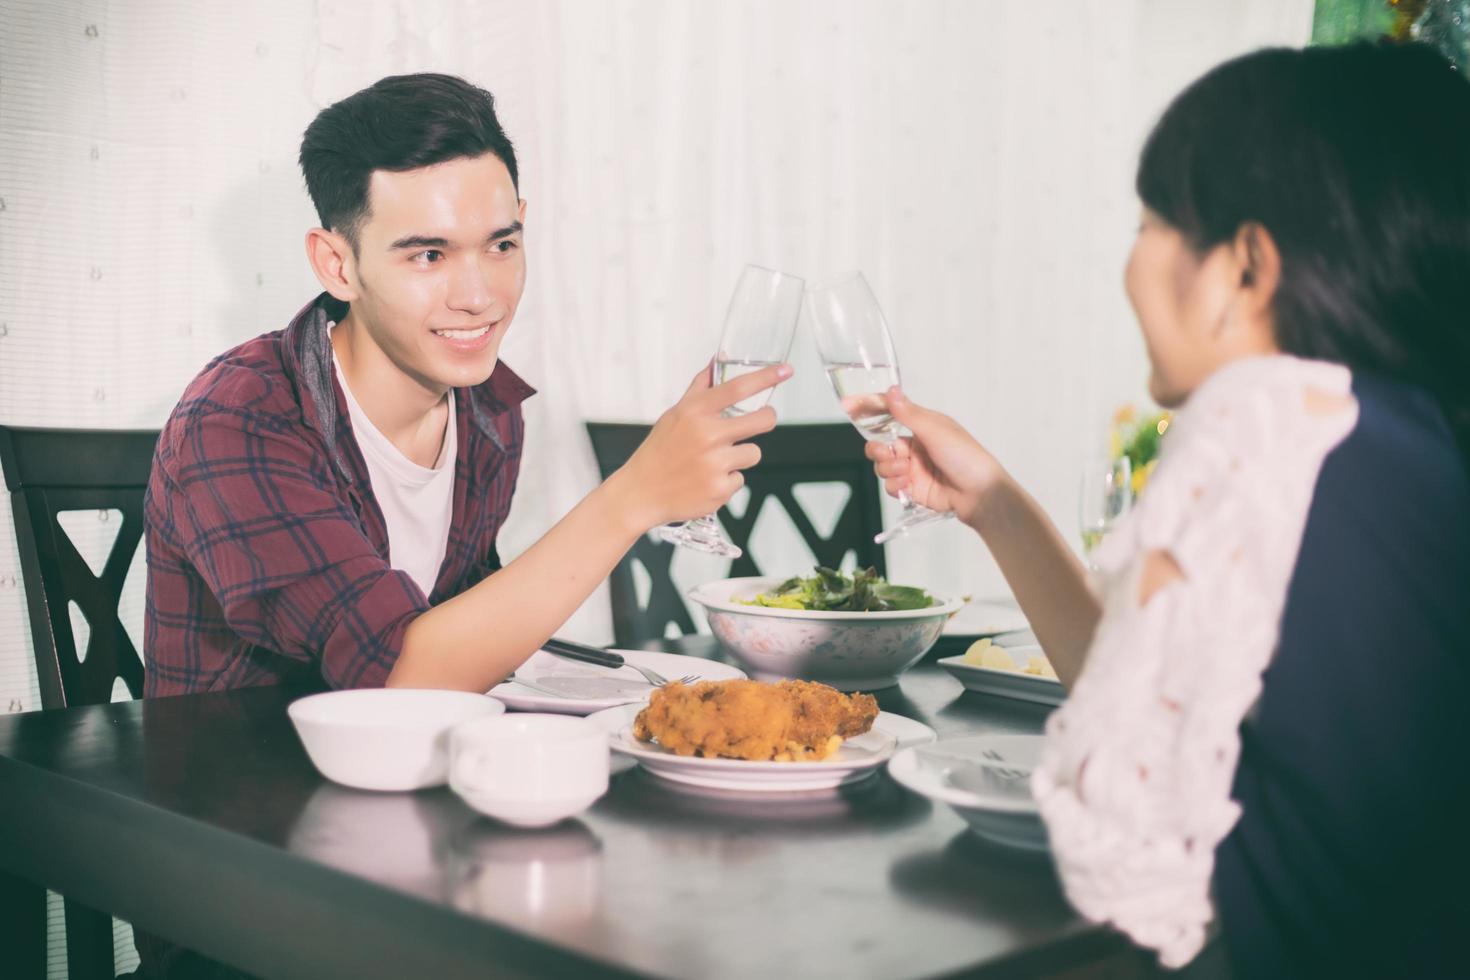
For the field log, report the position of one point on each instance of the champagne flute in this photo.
(1107, 495)
(759, 326)
(857, 351)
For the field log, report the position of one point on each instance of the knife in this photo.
(582, 652)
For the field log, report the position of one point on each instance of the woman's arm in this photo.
(1043, 573)
(944, 468)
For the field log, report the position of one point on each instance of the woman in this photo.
(1266, 717)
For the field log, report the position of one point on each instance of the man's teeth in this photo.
(464, 334)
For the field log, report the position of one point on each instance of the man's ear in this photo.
(521, 212)
(334, 263)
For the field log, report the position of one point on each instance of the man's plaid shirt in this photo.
(267, 552)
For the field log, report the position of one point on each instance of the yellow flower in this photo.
(1140, 477)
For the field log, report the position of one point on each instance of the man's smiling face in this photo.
(440, 267)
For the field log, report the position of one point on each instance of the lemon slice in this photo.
(983, 653)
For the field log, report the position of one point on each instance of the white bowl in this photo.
(529, 770)
(852, 651)
(961, 771)
(385, 738)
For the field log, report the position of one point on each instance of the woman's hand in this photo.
(689, 465)
(941, 465)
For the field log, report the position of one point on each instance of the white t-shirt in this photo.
(417, 501)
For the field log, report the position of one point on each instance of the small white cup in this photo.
(529, 770)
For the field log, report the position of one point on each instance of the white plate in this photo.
(1006, 683)
(962, 772)
(858, 758)
(986, 617)
(593, 689)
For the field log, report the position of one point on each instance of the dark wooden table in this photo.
(200, 818)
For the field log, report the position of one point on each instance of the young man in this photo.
(325, 499)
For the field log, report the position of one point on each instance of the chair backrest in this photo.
(791, 455)
(49, 472)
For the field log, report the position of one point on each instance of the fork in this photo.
(583, 653)
(543, 689)
(989, 760)
(995, 756)
(659, 680)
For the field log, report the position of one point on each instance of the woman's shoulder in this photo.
(1400, 470)
(1384, 561)
(1401, 427)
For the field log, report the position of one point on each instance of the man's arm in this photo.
(688, 466)
(256, 513)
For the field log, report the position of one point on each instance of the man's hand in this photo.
(690, 463)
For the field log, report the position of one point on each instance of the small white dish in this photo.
(851, 651)
(592, 688)
(1007, 683)
(529, 770)
(390, 738)
(858, 758)
(986, 617)
(986, 779)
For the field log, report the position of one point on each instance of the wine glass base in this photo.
(700, 538)
(909, 522)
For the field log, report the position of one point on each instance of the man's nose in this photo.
(470, 288)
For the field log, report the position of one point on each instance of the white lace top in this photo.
(1136, 776)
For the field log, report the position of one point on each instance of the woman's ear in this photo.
(1256, 256)
(1257, 263)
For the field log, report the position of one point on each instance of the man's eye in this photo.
(505, 245)
(428, 256)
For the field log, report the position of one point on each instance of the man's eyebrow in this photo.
(430, 241)
(420, 241)
(511, 229)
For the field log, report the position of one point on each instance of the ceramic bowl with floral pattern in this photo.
(852, 651)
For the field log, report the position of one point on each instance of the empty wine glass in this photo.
(857, 352)
(759, 326)
(1107, 494)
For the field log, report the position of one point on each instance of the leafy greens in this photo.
(832, 591)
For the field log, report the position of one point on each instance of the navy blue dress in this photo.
(1350, 858)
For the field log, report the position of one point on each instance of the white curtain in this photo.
(975, 159)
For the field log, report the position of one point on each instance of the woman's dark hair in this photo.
(401, 122)
(1356, 160)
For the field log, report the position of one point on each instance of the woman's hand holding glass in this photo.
(857, 350)
(941, 466)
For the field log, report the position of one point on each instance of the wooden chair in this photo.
(791, 455)
(48, 472)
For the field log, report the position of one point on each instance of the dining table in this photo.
(200, 819)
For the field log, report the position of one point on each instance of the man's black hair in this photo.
(402, 122)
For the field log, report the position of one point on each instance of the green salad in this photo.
(831, 591)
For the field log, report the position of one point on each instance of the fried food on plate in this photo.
(791, 721)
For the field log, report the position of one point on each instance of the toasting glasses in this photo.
(857, 351)
(758, 329)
